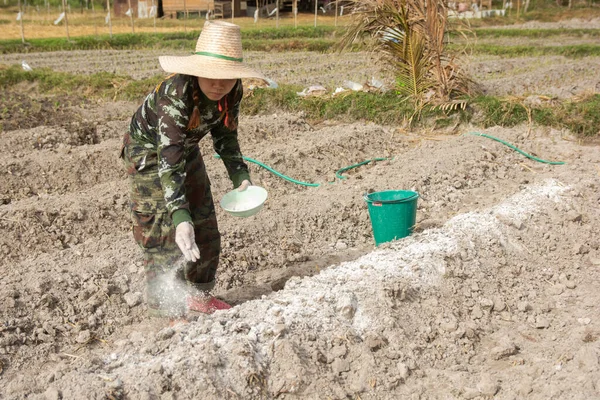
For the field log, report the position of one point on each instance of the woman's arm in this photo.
(173, 110)
(225, 142)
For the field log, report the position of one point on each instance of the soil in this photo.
(493, 296)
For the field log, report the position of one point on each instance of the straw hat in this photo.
(218, 55)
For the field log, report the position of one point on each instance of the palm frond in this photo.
(412, 68)
(452, 105)
(411, 37)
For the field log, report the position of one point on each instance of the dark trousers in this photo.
(169, 277)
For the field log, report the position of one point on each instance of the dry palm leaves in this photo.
(411, 37)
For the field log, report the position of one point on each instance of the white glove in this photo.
(185, 239)
(244, 185)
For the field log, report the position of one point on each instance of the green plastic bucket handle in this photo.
(381, 202)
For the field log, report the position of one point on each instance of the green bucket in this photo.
(393, 214)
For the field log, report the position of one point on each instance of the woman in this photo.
(172, 207)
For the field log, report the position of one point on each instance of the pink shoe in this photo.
(206, 305)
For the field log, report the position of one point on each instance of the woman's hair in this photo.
(225, 107)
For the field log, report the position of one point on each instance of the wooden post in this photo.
(258, 10)
(185, 16)
(277, 14)
(94, 18)
(232, 9)
(316, 10)
(336, 12)
(21, 23)
(295, 11)
(131, 16)
(109, 18)
(64, 4)
(155, 12)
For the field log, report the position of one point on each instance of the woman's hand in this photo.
(244, 185)
(185, 239)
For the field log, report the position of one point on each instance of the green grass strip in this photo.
(572, 51)
(99, 85)
(291, 32)
(581, 117)
(382, 108)
(179, 41)
(486, 33)
(283, 39)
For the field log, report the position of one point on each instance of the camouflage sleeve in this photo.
(225, 142)
(173, 110)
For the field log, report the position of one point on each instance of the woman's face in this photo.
(216, 89)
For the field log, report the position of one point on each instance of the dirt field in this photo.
(494, 296)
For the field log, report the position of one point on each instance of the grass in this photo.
(580, 116)
(484, 33)
(383, 108)
(38, 24)
(270, 39)
(572, 51)
(89, 33)
(495, 111)
(290, 32)
(180, 41)
(102, 85)
(320, 39)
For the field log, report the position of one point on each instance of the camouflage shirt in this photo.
(160, 127)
